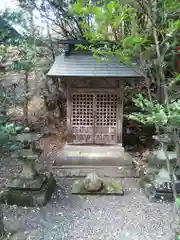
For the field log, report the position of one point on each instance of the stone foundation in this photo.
(153, 193)
(93, 156)
(102, 171)
(31, 197)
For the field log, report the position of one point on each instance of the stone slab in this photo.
(102, 171)
(27, 154)
(30, 198)
(93, 156)
(108, 188)
(28, 137)
(28, 184)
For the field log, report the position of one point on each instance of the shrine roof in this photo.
(84, 64)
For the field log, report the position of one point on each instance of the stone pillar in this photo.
(157, 183)
(30, 188)
(1, 224)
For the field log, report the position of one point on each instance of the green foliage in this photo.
(171, 5)
(8, 97)
(115, 187)
(112, 23)
(11, 129)
(177, 236)
(27, 42)
(126, 30)
(178, 202)
(156, 113)
(7, 130)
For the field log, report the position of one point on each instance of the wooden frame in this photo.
(69, 110)
(120, 111)
(92, 95)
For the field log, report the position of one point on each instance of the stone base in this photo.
(93, 155)
(102, 171)
(35, 183)
(158, 158)
(30, 198)
(156, 194)
(108, 188)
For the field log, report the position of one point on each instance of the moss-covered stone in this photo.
(147, 186)
(108, 188)
(21, 183)
(92, 182)
(155, 188)
(30, 198)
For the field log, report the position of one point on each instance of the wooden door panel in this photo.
(94, 118)
(82, 118)
(106, 118)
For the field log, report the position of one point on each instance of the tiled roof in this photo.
(83, 64)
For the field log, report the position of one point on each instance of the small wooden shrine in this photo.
(94, 103)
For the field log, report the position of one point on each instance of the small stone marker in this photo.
(92, 184)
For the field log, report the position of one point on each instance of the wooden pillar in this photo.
(69, 112)
(120, 111)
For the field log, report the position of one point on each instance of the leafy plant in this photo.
(156, 113)
(177, 236)
(8, 130)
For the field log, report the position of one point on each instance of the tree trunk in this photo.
(56, 83)
(25, 107)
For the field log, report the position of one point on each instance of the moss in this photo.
(108, 188)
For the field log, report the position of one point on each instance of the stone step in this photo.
(102, 171)
(93, 156)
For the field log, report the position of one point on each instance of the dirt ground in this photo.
(70, 217)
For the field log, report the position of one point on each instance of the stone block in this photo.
(93, 156)
(108, 188)
(29, 197)
(162, 191)
(35, 183)
(158, 157)
(92, 182)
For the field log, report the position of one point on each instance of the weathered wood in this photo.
(94, 118)
(106, 124)
(82, 117)
(92, 90)
(69, 113)
(120, 112)
(94, 114)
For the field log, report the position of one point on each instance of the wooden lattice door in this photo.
(83, 118)
(94, 118)
(106, 119)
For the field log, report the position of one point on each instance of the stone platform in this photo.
(93, 155)
(70, 171)
(29, 196)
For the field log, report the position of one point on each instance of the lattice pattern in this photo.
(106, 109)
(82, 112)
